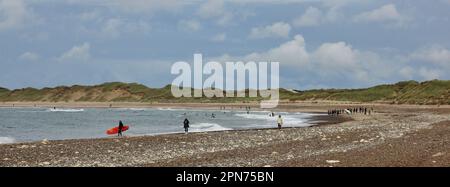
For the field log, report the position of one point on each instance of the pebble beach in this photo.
(405, 136)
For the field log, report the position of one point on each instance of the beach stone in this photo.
(438, 154)
(267, 166)
(126, 144)
(332, 161)
(323, 139)
(338, 137)
(24, 146)
(45, 163)
(44, 141)
(6, 159)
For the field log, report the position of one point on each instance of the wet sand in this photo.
(392, 136)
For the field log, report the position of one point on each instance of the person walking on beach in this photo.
(119, 132)
(279, 121)
(186, 125)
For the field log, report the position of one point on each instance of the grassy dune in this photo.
(407, 92)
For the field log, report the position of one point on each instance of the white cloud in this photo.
(211, 8)
(335, 55)
(219, 37)
(76, 53)
(276, 30)
(137, 6)
(29, 56)
(315, 17)
(434, 54)
(113, 28)
(189, 25)
(327, 65)
(386, 13)
(291, 53)
(215, 9)
(429, 74)
(15, 14)
(311, 17)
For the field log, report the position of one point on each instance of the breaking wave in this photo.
(65, 110)
(289, 120)
(5, 140)
(203, 127)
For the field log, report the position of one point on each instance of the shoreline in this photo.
(302, 106)
(314, 120)
(392, 136)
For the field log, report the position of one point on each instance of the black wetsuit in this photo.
(119, 133)
(186, 125)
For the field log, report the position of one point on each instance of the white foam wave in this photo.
(288, 120)
(261, 111)
(5, 140)
(171, 109)
(134, 109)
(203, 127)
(65, 110)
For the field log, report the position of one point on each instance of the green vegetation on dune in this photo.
(3, 91)
(406, 92)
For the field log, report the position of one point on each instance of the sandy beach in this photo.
(394, 135)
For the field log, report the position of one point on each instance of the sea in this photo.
(36, 124)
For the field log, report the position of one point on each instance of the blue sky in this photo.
(319, 44)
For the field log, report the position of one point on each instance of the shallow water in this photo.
(33, 124)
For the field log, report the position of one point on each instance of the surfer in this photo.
(186, 125)
(119, 133)
(279, 121)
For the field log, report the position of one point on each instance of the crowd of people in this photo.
(351, 110)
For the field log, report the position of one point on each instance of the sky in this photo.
(318, 43)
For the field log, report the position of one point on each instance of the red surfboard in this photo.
(115, 130)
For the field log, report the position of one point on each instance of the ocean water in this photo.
(35, 124)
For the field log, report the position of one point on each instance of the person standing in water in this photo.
(279, 121)
(186, 125)
(119, 132)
